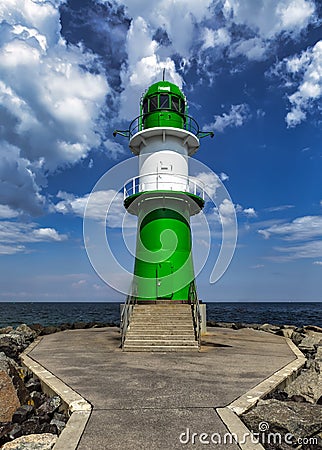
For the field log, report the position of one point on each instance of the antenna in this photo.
(163, 74)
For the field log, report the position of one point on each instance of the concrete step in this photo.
(159, 348)
(165, 316)
(161, 328)
(161, 321)
(170, 326)
(156, 337)
(160, 331)
(164, 342)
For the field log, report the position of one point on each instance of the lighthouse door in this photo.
(164, 280)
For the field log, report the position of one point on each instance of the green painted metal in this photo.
(133, 209)
(163, 105)
(163, 255)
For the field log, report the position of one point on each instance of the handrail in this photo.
(126, 315)
(135, 185)
(190, 124)
(196, 313)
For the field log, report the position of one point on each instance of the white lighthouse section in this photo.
(163, 159)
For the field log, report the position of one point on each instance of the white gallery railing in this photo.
(166, 181)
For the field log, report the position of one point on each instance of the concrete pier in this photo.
(148, 400)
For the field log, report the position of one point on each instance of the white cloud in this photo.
(144, 67)
(7, 213)
(51, 100)
(317, 263)
(311, 249)
(215, 38)
(96, 205)
(269, 18)
(14, 236)
(226, 211)
(304, 71)
(236, 117)
(302, 228)
(179, 21)
(19, 190)
(254, 49)
(279, 208)
(250, 212)
(208, 181)
(113, 149)
(223, 176)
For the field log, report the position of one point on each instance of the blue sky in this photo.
(72, 71)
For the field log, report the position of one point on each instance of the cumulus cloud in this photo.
(305, 72)
(59, 87)
(208, 181)
(15, 236)
(317, 263)
(269, 18)
(236, 117)
(7, 213)
(302, 228)
(253, 48)
(250, 212)
(51, 101)
(226, 211)
(215, 38)
(309, 90)
(95, 205)
(144, 67)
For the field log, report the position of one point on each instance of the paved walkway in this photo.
(146, 400)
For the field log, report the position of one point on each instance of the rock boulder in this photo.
(44, 441)
(311, 340)
(9, 400)
(299, 419)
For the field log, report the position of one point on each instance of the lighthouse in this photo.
(163, 196)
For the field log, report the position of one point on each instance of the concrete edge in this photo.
(238, 430)
(230, 414)
(73, 403)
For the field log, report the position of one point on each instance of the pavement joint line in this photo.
(78, 408)
(230, 414)
(154, 408)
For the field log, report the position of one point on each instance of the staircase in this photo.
(161, 328)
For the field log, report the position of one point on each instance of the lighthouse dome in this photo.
(163, 105)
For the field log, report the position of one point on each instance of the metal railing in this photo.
(137, 125)
(126, 314)
(196, 313)
(183, 183)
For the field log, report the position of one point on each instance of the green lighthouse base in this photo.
(163, 267)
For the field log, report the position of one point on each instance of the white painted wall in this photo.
(163, 165)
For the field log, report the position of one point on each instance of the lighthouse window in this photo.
(175, 104)
(145, 106)
(182, 106)
(154, 103)
(164, 101)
